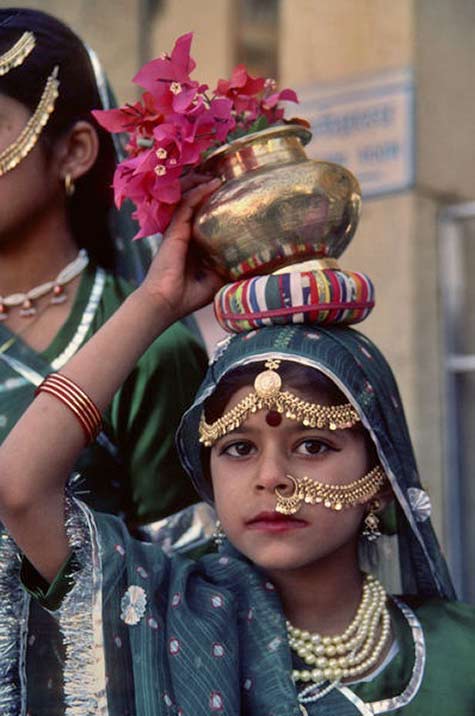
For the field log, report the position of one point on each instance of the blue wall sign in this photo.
(366, 124)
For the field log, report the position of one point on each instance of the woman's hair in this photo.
(56, 44)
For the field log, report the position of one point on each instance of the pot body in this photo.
(275, 207)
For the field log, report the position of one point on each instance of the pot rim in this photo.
(277, 130)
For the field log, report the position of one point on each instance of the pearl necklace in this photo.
(25, 300)
(347, 655)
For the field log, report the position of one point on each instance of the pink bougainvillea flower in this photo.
(142, 116)
(152, 218)
(176, 122)
(241, 83)
(157, 75)
(286, 95)
(242, 90)
(221, 109)
(269, 105)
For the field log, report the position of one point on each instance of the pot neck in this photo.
(261, 152)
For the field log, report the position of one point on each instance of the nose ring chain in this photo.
(334, 497)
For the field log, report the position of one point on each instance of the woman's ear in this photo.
(77, 151)
(385, 496)
(386, 510)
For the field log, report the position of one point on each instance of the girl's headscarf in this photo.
(410, 561)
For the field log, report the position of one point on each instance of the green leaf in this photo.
(259, 124)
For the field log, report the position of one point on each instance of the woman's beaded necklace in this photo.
(347, 655)
(56, 287)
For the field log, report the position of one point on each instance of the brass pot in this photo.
(275, 207)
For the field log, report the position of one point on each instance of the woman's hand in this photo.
(178, 277)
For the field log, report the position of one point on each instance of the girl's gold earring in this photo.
(371, 530)
(69, 186)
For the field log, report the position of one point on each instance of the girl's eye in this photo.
(240, 448)
(312, 447)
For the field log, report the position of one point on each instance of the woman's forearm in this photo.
(41, 450)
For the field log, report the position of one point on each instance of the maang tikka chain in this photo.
(17, 54)
(25, 142)
(268, 395)
(334, 497)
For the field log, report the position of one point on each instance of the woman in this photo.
(56, 167)
(56, 199)
(298, 437)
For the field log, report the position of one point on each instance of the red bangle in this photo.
(78, 402)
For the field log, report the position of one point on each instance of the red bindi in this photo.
(273, 418)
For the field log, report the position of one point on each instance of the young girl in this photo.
(298, 437)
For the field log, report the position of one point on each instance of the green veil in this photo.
(410, 560)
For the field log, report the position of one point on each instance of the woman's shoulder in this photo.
(443, 611)
(446, 624)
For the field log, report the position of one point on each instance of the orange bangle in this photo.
(78, 402)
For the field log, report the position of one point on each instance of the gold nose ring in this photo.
(289, 504)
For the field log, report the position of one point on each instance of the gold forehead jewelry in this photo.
(334, 497)
(22, 146)
(268, 395)
(16, 55)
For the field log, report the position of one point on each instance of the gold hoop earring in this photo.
(69, 186)
(288, 504)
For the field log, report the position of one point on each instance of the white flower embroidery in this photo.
(133, 605)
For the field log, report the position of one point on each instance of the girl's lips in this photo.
(274, 522)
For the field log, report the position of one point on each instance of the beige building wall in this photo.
(111, 27)
(213, 23)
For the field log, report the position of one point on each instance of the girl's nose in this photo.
(271, 475)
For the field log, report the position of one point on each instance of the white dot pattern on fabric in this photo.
(218, 650)
(176, 599)
(174, 646)
(216, 701)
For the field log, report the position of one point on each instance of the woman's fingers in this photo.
(190, 201)
(192, 179)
